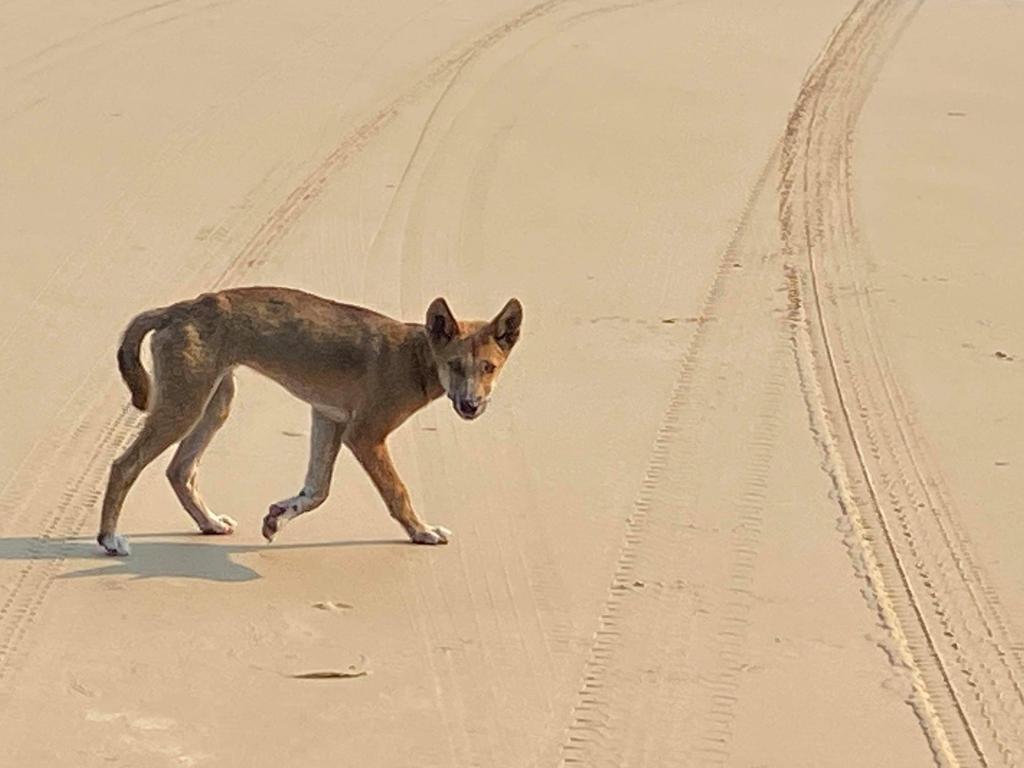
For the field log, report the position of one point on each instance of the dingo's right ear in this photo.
(441, 325)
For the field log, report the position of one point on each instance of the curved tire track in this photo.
(944, 622)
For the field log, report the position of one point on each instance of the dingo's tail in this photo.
(128, 361)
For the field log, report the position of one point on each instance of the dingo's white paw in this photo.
(434, 534)
(222, 525)
(114, 544)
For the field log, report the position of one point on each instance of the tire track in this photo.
(512, 616)
(661, 677)
(280, 221)
(722, 689)
(945, 624)
(46, 554)
(73, 41)
(601, 731)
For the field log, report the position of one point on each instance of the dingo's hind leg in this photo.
(184, 466)
(164, 426)
(184, 375)
(324, 444)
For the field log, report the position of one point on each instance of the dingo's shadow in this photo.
(193, 557)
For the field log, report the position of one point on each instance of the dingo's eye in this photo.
(488, 366)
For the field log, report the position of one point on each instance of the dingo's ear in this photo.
(506, 325)
(441, 325)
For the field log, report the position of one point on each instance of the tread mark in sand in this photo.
(632, 707)
(945, 624)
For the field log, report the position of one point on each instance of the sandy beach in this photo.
(747, 493)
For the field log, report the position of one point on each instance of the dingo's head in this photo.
(468, 356)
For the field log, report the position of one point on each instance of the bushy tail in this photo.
(128, 361)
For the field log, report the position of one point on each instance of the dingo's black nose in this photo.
(468, 408)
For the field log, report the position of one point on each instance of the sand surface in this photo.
(746, 494)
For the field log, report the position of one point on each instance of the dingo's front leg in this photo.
(324, 444)
(376, 460)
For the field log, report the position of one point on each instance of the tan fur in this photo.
(363, 374)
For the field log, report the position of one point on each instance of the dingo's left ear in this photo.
(506, 325)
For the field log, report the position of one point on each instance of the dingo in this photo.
(363, 374)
